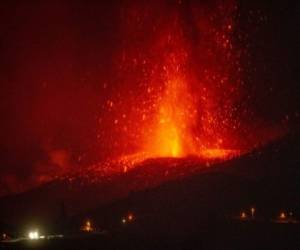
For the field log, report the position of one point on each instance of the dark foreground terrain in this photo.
(200, 210)
(222, 236)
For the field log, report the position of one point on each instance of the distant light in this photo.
(53, 236)
(123, 220)
(87, 226)
(243, 215)
(88, 223)
(282, 215)
(252, 211)
(130, 217)
(33, 235)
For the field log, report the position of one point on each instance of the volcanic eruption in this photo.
(185, 66)
(181, 89)
(172, 84)
(137, 124)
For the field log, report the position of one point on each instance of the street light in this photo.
(33, 235)
(252, 212)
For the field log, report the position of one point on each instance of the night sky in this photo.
(64, 85)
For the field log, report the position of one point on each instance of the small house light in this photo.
(243, 215)
(282, 216)
(87, 226)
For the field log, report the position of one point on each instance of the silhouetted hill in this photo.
(173, 192)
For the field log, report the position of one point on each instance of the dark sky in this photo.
(54, 55)
(58, 68)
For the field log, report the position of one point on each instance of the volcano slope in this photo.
(181, 202)
(202, 209)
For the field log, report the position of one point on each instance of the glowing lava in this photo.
(177, 114)
(176, 117)
(171, 123)
(179, 85)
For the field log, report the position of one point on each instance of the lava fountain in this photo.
(178, 111)
(174, 115)
(180, 84)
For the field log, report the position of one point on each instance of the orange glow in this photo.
(87, 226)
(130, 217)
(176, 109)
(282, 216)
(252, 211)
(171, 123)
(214, 153)
(243, 215)
(179, 94)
